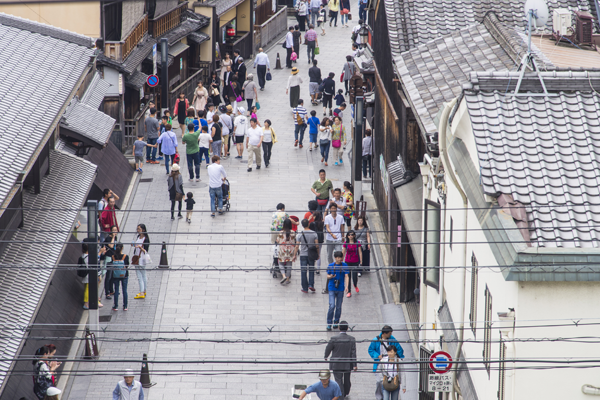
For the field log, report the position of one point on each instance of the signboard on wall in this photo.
(121, 84)
(384, 173)
(154, 58)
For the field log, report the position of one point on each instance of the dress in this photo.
(286, 247)
(349, 211)
(224, 65)
(200, 98)
(215, 84)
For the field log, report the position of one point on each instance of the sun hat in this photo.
(229, 108)
(241, 110)
(129, 372)
(175, 167)
(52, 391)
(295, 71)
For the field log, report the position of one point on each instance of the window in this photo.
(451, 231)
(432, 244)
(501, 369)
(487, 331)
(474, 278)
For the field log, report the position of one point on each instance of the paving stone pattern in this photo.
(233, 300)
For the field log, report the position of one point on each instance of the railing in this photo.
(270, 29)
(131, 129)
(120, 50)
(244, 44)
(163, 24)
(188, 86)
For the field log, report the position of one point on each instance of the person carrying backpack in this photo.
(119, 265)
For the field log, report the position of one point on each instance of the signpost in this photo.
(440, 362)
(152, 80)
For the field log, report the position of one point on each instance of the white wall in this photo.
(112, 77)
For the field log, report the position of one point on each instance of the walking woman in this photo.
(334, 8)
(141, 246)
(338, 139)
(293, 87)
(226, 62)
(216, 135)
(175, 185)
(43, 372)
(363, 236)
(200, 97)
(349, 71)
(269, 138)
(324, 139)
(328, 92)
(120, 263)
(345, 10)
(353, 257)
(235, 92)
(181, 106)
(393, 373)
(250, 92)
(215, 84)
(348, 194)
(287, 250)
(318, 226)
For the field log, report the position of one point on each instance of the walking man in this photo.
(362, 10)
(310, 38)
(300, 121)
(315, 6)
(314, 75)
(309, 245)
(334, 226)
(342, 348)
(152, 133)
(325, 388)
(378, 350)
(321, 189)
(254, 143)
(262, 61)
(338, 280)
(240, 126)
(289, 46)
(128, 388)
(192, 151)
(216, 176)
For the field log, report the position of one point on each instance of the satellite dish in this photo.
(539, 11)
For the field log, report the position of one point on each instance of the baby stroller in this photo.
(226, 196)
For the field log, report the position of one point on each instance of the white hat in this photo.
(129, 372)
(52, 391)
(241, 110)
(175, 167)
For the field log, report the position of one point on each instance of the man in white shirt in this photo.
(254, 139)
(262, 60)
(240, 126)
(334, 228)
(289, 46)
(210, 115)
(216, 176)
(338, 200)
(226, 121)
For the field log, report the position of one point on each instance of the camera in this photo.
(336, 283)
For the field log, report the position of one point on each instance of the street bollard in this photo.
(278, 63)
(164, 262)
(91, 347)
(145, 374)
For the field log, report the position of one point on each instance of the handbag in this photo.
(349, 17)
(317, 51)
(392, 384)
(293, 56)
(284, 45)
(342, 77)
(345, 11)
(178, 196)
(313, 253)
(135, 260)
(239, 97)
(146, 260)
(215, 92)
(269, 76)
(257, 104)
(323, 142)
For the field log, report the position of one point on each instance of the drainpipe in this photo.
(444, 154)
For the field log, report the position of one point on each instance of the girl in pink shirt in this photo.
(353, 257)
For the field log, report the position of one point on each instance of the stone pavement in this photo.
(205, 315)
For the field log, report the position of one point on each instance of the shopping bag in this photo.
(317, 51)
(257, 104)
(269, 76)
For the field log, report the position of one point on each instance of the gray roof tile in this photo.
(136, 80)
(94, 95)
(88, 122)
(220, 5)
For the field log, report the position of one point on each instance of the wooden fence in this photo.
(270, 29)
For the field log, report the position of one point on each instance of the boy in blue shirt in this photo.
(337, 275)
(313, 123)
(339, 98)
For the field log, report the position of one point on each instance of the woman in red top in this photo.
(353, 257)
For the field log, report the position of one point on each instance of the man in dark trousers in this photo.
(236, 56)
(241, 71)
(343, 358)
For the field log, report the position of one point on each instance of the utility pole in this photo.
(92, 240)
(358, 135)
(164, 75)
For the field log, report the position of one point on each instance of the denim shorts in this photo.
(313, 137)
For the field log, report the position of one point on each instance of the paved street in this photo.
(233, 305)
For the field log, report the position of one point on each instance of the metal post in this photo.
(164, 74)
(358, 136)
(92, 239)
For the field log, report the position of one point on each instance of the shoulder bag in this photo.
(392, 384)
(313, 253)
(337, 142)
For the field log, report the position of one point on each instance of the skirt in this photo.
(294, 96)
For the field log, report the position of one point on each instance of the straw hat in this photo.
(295, 71)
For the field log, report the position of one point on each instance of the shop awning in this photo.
(177, 49)
(410, 199)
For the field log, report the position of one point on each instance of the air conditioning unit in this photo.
(562, 22)
(584, 29)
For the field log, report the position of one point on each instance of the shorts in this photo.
(225, 138)
(239, 139)
(313, 88)
(313, 137)
(139, 159)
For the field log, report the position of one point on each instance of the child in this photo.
(138, 152)
(253, 112)
(169, 119)
(313, 123)
(189, 207)
(204, 143)
(339, 98)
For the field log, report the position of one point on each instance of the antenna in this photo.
(536, 12)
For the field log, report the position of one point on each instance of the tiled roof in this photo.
(63, 146)
(38, 72)
(198, 37)
(88, 122)
(133, 60)
(412, 22)
(185, 28)
(94, 95)
(545, 152)
(220, 5)
(21, 290)
(136, 80)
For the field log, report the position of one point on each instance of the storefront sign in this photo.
(384, 173)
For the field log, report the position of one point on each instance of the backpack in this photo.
(299, 119)
(119, 270)
(82, 271)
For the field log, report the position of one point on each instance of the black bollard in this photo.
(278, 63)
(91, 347)
(145, 374)
(164, 262)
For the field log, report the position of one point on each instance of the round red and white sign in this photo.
(440, 362)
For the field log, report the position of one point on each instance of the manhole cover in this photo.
(198, 184)
(245, 334)
(146, 180)
(105, 318)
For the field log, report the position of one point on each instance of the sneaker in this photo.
(100, 305)
(336, 163)
(141, 170)
(359, 274)
(86, 308)
(357, 290)
(221, 213)
(180, 216)
(304, 291)
(212, 215)
(258, 166)
(328, 327)
(325, 291)
(125, 309)
(197, 179)
(341, 162)
(191, 179)
(172, 218)
(139, 296)
(310, 149)
(312, 289)
(238, 156)
(160, 158)
(115, 309)
(249, 169)
(189, 221)
(349, 294)
(335, 325)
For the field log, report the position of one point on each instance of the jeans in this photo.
(261, 71)
(310, 50)
(362, 12)
(314, 14)
(346, 84)
(288, 60)
(254, 151)
(391, 395)
(344, 19)
(167, 163)
(342, 378)
(218, 193)
(336, 297)
(267, 147)
(249, 102)
(366, 165)
(109, 285)
(140, 271)
(216, 147)
(153, 149)
(203, 153)
(325, 149)
(193, 160)
(307, 266)
(299, 129)
(123, 282)
(173, 208)
(334, 15)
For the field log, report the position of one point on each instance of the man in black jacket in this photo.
(328, 92)
(314, 73)
(241, 71)
(236, 56)
(343, 358)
